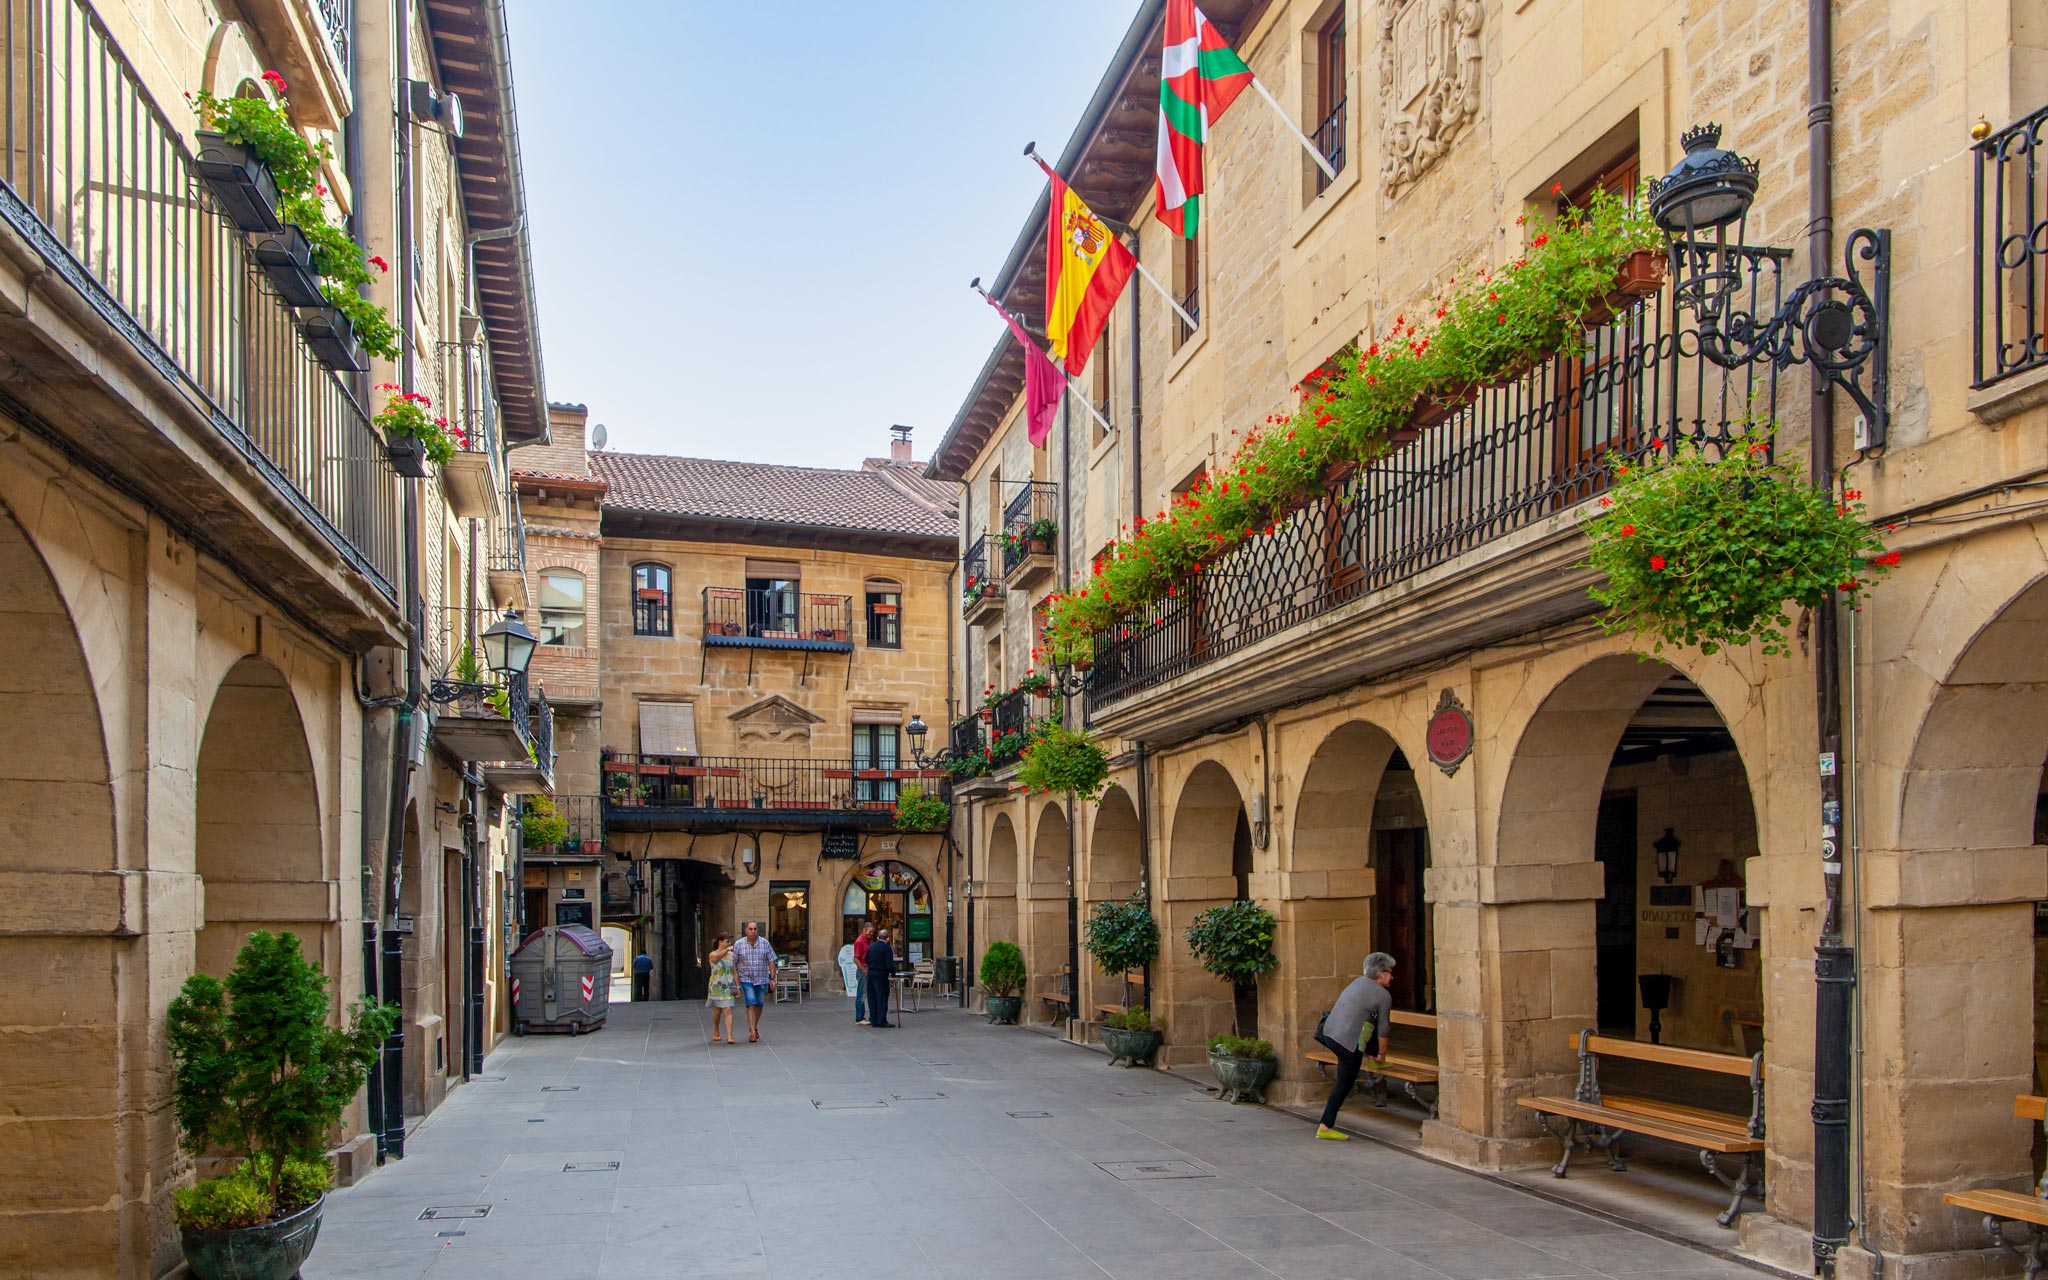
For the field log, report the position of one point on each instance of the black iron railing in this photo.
(96, 177)
(540, 724)
(743, 615)
(584, 814)
(966, 736)
(1517, 455)
(652, 612)
(1190, 302)
(507, 551)
(462, 683)
(644, 790)
(1030, 523)
(1010, 727)
(977, 577)
(1329, 140)
(2011, 251)
(334, 20)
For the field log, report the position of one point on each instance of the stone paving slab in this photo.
(915, 1168)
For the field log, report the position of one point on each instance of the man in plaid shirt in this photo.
(753, 962)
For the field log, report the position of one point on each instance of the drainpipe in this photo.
(415, 617)
(1145, 844)
(1834, 961)
(1066, 557)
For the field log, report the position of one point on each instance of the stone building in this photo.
(735, 650)
(1609, 813)
(208, 571)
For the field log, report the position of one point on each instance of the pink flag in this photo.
(1043, 381)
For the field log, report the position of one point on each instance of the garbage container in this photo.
(561, 981)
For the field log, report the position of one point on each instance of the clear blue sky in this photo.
(753, 224)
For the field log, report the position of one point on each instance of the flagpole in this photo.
(1071, 385)
(1031, 153)
(1322, 161)
(1171, 301)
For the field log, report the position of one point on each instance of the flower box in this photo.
(286, 257)
(837, 773)
(239, 181)
(407, 456)
(332, 337)
(724, 628)
(836, 635)
(651, 593)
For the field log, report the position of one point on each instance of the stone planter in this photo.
(1243, 1079)
(1003, 1009)
(273, 1251)
(1132, 1048)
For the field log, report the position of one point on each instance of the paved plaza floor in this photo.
(946, 1148)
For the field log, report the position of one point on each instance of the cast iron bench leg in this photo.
(2031, 1255)
(1567, 1137)
(1747, 1181)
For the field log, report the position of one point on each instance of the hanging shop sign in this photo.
(1448, 739)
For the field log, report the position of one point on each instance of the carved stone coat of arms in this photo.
(1431, 66)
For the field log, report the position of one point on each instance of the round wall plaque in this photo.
(1448, 738)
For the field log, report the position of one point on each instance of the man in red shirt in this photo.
(860, 962)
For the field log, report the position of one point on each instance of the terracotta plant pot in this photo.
(1132, 1048)
(1243, 1079)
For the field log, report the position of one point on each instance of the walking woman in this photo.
(725, 987)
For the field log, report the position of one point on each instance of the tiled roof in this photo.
(814, 497)
(942, 496)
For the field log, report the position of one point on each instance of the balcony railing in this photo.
(1518, 455)
(507, 552)
(95, 176)
(584, 815)
(652, 791)
(1030, 523)
(472, 691)
(977, 580)
(652, 613)
(2011, 251)
(1190, 302)
(771, 618)
(1329, 140)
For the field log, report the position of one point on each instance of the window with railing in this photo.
(977, 583)
(1508, 460)
(1030, 523)
(1330, 97)
(874, 752)
(885, 613)
(96, 178)
(651, 613)
(2010, 251)
(776, 612)
(1187, 282)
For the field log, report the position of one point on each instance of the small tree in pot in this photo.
(1002, 978)
(1123, 936)
(261, 1076)
(1235, 942)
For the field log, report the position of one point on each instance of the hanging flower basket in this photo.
(1063, 761)
(1705, 551)
(332, 337)
(407, 456)
(240, 182)
(286, 257)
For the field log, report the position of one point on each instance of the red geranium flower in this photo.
(1656, 562)
(377, 261)
(1628, 530)
(275, 81)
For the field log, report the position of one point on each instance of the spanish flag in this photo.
(1086, 268)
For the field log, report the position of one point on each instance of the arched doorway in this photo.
(1208, 862)
(258, 821)
(1045, 954)
(1115, 873)
(995, 891)
(895, 896)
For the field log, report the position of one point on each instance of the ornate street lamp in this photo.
(508, 645)
(916, 731)
(1666, 849)
(1833, 323)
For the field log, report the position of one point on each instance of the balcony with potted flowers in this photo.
(694, 793)
(483, 710)
(981, 588)
(1030, 535)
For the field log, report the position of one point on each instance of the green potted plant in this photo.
(1123, 936)
(261, 1076)
(1234, 941)
(1713, 551)
(1059, 760)
(544, 828)
(1002, 981)
(921, 810)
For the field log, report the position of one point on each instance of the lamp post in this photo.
(1839, 328)
(508, 645)
(1666, 849)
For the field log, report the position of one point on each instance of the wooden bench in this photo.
(1134, 986)
(2000, 1207)
(1059, 999)
(1592, 1119)
(1413, 1071)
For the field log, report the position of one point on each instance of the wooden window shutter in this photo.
(668, 729)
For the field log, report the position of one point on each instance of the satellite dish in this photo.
(598, 435)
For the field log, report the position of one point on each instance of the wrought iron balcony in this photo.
(1030, 531)
(96, 178)
(584, 814)
(1520, 454)
(768, 618)
(480, 715)
(505, 558)
(2011, 251)
(1329, 139)
(981, 589)
(687, 792)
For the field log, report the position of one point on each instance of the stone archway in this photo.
(1207, 863)
(1115, 873)
(1563, 920)
(1953, 870)
(77, 1074)
(1046, 900)
(259, 835)
(995, 897)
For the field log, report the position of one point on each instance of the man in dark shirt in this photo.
(881, 967)
(1355, 1029)
(643, 976)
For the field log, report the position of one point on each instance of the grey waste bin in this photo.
(561, 980)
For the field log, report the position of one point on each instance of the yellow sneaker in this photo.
(1334, 1135)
